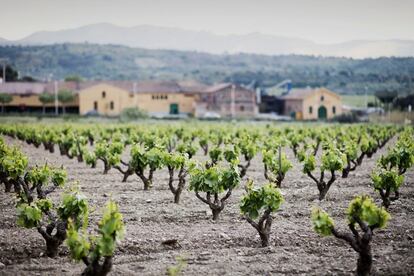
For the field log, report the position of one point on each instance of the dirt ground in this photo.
(229, 246)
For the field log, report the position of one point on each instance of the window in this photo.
(241, 108)
(322, 98)
(111, 105)
(310, 109)
(153, 97)
(95, 105)
(103, 94)
(334, 109)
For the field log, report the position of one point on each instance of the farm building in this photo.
(304, 104)
(109, 98)
(25, 96)
(227, 100)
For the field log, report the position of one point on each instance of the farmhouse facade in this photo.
(311, 104)
(227, 100)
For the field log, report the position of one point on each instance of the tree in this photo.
(213, 181)
(268, 199)
(363, 212)
(46, 98)
(5, 99)
(74, 78)
(65, 97)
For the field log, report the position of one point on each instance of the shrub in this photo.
(266, 199)
(132, 113)
(92, 249)
(363, 212)
(213, 181)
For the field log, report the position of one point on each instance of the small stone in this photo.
(41, 254)
(148, 201)
(35, 261)
(2, 265)
(65, 270)
(105, 195)
(224, 236)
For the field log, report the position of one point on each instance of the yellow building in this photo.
(312, 104)
(25, 96)
(155, 97)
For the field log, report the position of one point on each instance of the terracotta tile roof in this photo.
(130, 86)
(217, 87)
(20, 88)
(298, 94)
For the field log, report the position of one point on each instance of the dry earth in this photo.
(227, 247)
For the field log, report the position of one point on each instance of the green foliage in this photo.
(214, 179)
(111, 230)
(387, 180)
(216, 154)
(258, 199)
(309, 164)
(101, 61)
(176, 270)
(333, 160)
(5, 98)
(29, 216)
(74, 206)
(132, 113)
(271, 160)
(322, 222)
(46, 98)
(363, 208)
(65, 96)
(78, 244)
(14, 163)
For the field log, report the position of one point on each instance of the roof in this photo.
(300, 94)
(216, 87)
(21, 88)
(130, 86)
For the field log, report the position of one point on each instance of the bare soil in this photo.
(229, 246)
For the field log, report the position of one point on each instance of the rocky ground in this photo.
(229, 246)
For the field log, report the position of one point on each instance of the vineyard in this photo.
(207, 199)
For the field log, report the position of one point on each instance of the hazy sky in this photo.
(326, 21)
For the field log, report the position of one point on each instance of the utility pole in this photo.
(232, 106)
(56, 99)
(4, 62)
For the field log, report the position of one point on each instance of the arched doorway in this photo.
(322, 114)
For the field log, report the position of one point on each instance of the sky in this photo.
(322, 21)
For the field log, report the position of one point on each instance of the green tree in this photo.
(65, 97)
(45, 98)
(5, 99)
(74, 78)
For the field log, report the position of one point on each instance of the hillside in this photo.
(93, 61)
(154, 37)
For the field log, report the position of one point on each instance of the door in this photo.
(174, 109)
(322, 112)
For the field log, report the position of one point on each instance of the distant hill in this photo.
(93, 61)
(151, 37)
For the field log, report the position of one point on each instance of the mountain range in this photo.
(152, 37)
